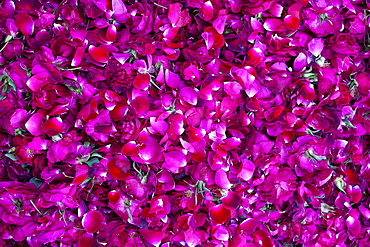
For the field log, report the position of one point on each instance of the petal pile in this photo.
(185, 123)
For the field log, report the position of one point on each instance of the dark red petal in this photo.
(219, 214)
(25, 23)
(52, 126)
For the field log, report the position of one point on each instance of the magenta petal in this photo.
(354, 193)
(273, 113)
(140, 105)
(208, 39)
(57, 152)
(235, 5)
(152, 237)
(58, 110)
(86, 239)
(17, 117)
(52, 126)
(159, 125)
(25, 23)
(232, 88)
(221, 233)
(364, 211)
(174, 12)
(219, 23)
(315, 46)
(324, 176)
(291, 22)
(239, 241)
(78, 56)
(93, 221)
(248, 226)
(129, 149)
(246, 170)
(33, 124)
(273, 25)
(174, 160)
(121, 57)
(232, 200)
(12, 27)
(142, 81)
(149, 149)
(189, 95)
(354, 226)
(207, 11)
(111, 33)
(300, 62)
(78, 34)
(167, 181)
(38, 81)
(222, 180)
(172, 79)
(195, 237)
(120, 11)
(231, 143)
(219, 214)
(38, 144)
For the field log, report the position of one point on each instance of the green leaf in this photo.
(92, 161)
(86, 181)
(11, 156)
(311, 155)
(340, 184)
(57, 138)
(36, 181)
(97, 155)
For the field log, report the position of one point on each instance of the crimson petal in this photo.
(25, 23)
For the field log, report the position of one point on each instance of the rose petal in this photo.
(92, 221)
(142, 81)
(99, 54)
(246, 170)
(25, 23)
(33, 125)
(38, 81)
(52, 126)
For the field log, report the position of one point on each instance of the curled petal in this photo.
(52, 126)
(38, 81)
(33, 125)
(246, 170)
